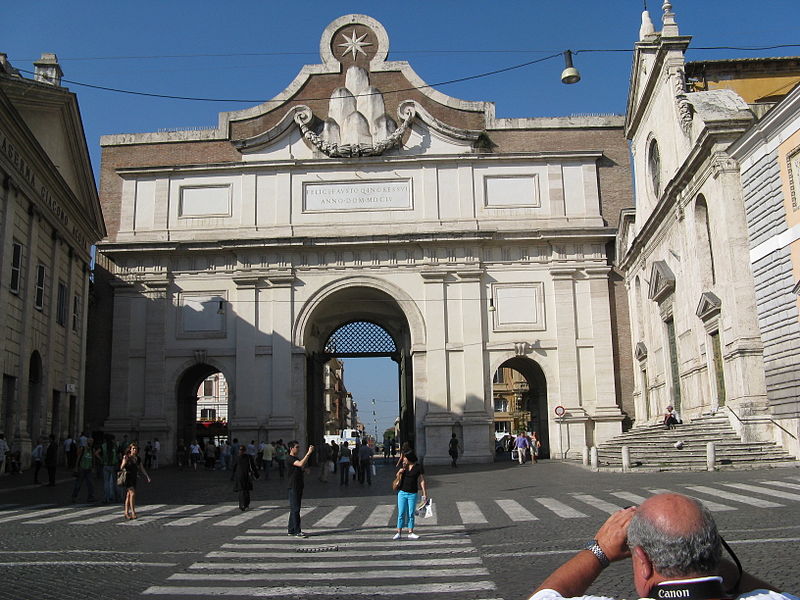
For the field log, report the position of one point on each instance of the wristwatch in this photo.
(595, 549)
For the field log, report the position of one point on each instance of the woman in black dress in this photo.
(243, 472)
(132, 464)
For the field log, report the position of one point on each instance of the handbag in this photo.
(397, 479)
(352, 470)
(121, 477)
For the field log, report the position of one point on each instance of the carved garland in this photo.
(683, 105)
(303, 117)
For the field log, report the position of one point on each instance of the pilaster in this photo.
(157, 295)
(283, 415)
(242, 409)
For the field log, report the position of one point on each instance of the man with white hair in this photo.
(675, 553)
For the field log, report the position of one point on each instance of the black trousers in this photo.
(295, 499)
(51, 476)
(244, 499)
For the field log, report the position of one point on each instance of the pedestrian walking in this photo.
(132, 465)
(297, 468)
(355, 458)
(411, 479)
(51, 460)
(108, 458)
(3, 453)
(180, 455)
(365, 457)
(535, 446)
(211, 455)
(83, 470)
(453, 451)
(37, 455)
(244, 470)
(267, 456)
(225, 456)
(281, 454)
(156, 453)
(324, 461)
(334, 454)
(521, 445)
(148, 455)
(344, 465)
(194, 454)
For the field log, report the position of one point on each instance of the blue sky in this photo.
(252, 49)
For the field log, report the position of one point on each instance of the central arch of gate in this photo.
(361, 317)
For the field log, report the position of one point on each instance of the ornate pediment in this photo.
(640, 351)
(662, 281)
(709, 306)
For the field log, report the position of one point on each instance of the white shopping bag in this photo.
(374, 472)
(428, 510)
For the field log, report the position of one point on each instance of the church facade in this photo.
(362, 213)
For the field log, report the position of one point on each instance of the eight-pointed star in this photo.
(354, 44)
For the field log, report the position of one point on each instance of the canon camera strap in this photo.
(688, 590)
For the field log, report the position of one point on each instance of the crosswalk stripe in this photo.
(735, 497)
(335, 517)
(283, 519)
(786, 484)
(328, 565)
(37, 513)
(356, 571)
(415, 589)
(411, 547)
(470, 513)
(709, 504)
(245, 516)
(71, 515)
(635, 498)
(175, 510)
(561, 509)
(765, 491)
(212, 512)
(323, 543)
(597, 503)
(515, 511)
(380, 516)
(115, 516)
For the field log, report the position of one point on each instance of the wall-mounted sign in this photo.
(560, 411)
(357, 196)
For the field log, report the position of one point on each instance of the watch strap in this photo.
(595, 549)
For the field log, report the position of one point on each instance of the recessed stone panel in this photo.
(204, 201)
(512, 191)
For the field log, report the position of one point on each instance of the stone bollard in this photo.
(711, 456)
(593, 455)
(585, 456)
(626, 459)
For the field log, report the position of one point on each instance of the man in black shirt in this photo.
(297, 467)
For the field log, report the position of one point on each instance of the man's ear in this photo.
(642, 562)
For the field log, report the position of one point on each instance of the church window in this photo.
(654, 167)
(39, 298)
(703, 233)
(16, 267)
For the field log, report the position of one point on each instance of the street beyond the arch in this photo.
(497, 531)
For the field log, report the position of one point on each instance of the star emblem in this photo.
(354, 44)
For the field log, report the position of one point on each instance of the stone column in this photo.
(244, 419)
(568, 373)
(153, 420)
(285, 418)
(606, 414)
(438, 421)
(477, 422)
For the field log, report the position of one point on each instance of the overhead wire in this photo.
(400, 90)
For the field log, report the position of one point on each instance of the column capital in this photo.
(563, 274)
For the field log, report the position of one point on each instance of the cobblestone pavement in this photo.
(497, 531)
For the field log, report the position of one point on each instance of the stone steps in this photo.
(652, 448)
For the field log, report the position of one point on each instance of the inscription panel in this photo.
(357, 196)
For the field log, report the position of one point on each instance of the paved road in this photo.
(496, 532)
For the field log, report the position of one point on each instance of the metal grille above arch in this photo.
(360, 338)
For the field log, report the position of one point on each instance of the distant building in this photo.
(49, 218)
(703, 326)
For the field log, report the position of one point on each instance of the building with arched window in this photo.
(49, 218)
(704, 329)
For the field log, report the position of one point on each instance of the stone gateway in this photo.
(359, 195)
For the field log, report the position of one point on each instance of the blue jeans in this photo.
(84, 475)
(406, 505)
(110, 493)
